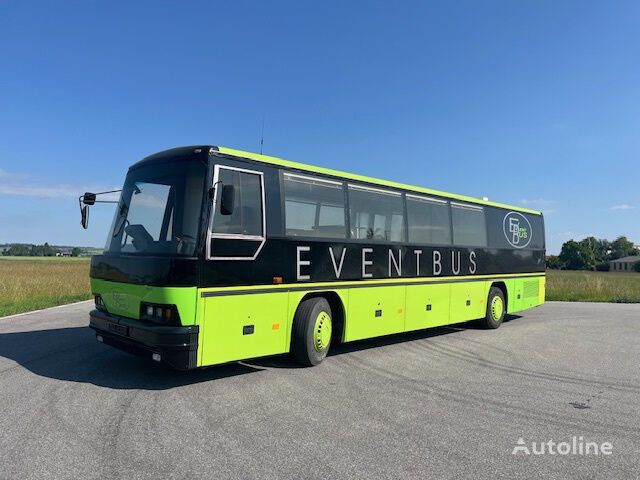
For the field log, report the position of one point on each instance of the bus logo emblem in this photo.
(517, 229)
(120, 300)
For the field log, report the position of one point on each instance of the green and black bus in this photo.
(217, 255)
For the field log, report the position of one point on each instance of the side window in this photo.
(376, 214)
(246, 218)
(469, 226)
(314, 207)
(428, 220)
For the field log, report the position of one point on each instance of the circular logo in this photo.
(517, 229)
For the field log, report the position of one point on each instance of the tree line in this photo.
(46, 250)
(592, 254)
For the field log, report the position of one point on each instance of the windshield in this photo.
(159, 210)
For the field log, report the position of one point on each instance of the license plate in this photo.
(119, 329)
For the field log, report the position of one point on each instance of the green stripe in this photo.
(352, 176)
(360, 284)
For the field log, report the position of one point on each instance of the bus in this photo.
(217, 255)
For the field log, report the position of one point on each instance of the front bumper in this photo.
(177, 346)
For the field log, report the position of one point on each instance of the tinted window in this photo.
(314, 207)
(376, 214)
(428, 220)
(246, 218)
(500, 234)
(469, 227)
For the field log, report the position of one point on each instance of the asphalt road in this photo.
(443, 403)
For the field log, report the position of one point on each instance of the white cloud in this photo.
(622, 206)
(8, 175)
(20, 185)
(37, 191)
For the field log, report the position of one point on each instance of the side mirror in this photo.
(84, 211)
(227, 199)
(89, 198)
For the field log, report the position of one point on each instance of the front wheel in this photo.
(496, 308)
(311, 333)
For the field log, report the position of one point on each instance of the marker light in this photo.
(99, 303)
(150, 311)
(156, 357)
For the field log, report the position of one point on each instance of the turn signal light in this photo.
(163, 314)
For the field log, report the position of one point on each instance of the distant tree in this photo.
(47, 251)
(591, 245)
(622, 247)
(554, 263)
(636, 266)
(75, 252)
(577, 256)
(604, 250)
(17, 251)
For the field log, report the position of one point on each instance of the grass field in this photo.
(582, 286)
(31, 283)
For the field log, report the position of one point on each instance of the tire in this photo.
(496, 308)
(311, 332)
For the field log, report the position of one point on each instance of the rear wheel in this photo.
(311, 333)
(496, 308)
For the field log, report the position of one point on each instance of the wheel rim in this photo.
(497, 307)
(322, 331)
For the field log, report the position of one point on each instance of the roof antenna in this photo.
(262, 136)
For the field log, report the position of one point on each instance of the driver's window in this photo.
(246, 218)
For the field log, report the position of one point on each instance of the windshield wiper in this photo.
(122, 218)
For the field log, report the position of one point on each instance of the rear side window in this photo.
(376, 214)
(469, 225)
(429, 220)
(314, 207)
(246, 218)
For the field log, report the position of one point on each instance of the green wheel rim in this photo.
(497, 307)
(322, 331)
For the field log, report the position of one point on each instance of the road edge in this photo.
(43, 309)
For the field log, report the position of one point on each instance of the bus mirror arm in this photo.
(87, 199)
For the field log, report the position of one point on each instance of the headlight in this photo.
(158, 313)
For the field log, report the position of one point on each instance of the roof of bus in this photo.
(352, 176)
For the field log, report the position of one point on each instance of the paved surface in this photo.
(445, 403)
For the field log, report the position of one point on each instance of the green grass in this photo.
(583, 286)
(47, 259)
(32, 283)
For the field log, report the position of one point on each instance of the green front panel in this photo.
(468, 301)
(124, 298)
(236, 327)
(375, 311)
(427, 306)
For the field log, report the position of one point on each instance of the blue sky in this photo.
(532, 103)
